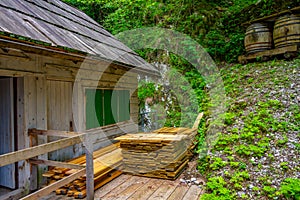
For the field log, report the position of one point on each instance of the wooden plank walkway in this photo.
(128, 187)
(141, 188)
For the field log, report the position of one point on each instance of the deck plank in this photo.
(111, 185)
(125, 194)
(165, 190)
(127, 186)
(193, 193)
(147, 190)
(179, 193)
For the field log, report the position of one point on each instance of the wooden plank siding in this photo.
(49, 97)
(59, 98)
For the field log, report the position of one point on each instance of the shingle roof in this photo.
(57, 24)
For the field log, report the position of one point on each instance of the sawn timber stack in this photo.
(163, 153)
(107, 162)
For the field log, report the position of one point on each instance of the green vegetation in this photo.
(216, 25)
(253, 128)
(218, 190)
(262, 115)
(290, 188)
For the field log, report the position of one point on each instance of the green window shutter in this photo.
(94, 108)
(99, 106)
(104, 107)
(110, 107)
(124, 105)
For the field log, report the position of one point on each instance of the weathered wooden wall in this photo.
(59, 117)
(50, 97)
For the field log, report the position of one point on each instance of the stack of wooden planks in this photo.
(107, 162)
(164, 153)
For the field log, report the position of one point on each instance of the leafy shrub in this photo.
(216, 185)
(229, 118)
(282, 142)
(146, 89)
(270, 191)
(290, 188)
(217, 164)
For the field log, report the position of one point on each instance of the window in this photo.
(104, 107)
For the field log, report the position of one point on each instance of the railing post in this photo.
(88, 147)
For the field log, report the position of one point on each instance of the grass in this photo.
(257, 113)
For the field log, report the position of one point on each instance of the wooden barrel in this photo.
(287, 31)
(258, 38)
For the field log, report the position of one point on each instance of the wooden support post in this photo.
(197, 121)
(88, 146)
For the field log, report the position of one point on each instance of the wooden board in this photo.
(106, 164)
(154, 189)
(112, 186)
(55, 163)
(267, 54)
(151, 138)
(193, 192)
(273, 17)
(127, 192)
(161, 154)
(114, 194)
(178, 193)
(146, 190)
(165, 190)
(42, 192)
(37, 150)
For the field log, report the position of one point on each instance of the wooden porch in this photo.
(128, 187)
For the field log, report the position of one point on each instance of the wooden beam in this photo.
(15, 73)
(197, 121)
(16, 194)
(273, 17)
(55, 163)
(46, 190)
(269, 53)
(28, 47)
(53, 133)
(27, 153)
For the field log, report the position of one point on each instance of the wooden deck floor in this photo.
(141, 188)
(128, 187)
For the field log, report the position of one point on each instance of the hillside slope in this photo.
(258, 151)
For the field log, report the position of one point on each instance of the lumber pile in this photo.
(164, 153)
(107, 162)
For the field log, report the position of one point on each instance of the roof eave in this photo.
(71, 54)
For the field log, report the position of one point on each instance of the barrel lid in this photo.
(256, 25)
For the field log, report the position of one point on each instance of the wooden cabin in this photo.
(59, 70)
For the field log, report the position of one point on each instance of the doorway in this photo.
(8, 173)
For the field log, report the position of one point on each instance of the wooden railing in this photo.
(72, 138)
(69, 138)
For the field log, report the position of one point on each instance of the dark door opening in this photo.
(8, 173)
